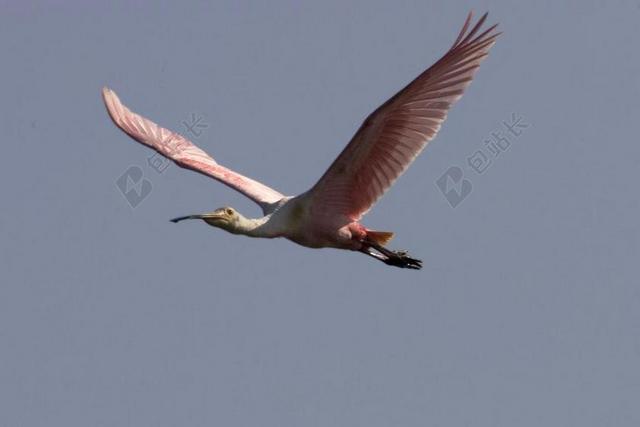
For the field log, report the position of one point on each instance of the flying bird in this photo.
(329, 214)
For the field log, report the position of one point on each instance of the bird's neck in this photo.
(254, 227)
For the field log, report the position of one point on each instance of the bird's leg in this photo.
(367, 250)
(389, 257)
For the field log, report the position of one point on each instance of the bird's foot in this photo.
(389, 257)
(400, 259)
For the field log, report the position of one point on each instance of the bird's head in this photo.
(226, 218)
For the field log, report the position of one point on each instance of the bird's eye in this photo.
(229, 211)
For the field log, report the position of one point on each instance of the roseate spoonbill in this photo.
(328, 215)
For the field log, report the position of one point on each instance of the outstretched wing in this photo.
(392, 136)
(184, 153)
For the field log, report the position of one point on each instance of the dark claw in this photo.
(403, 261)
(389, 257)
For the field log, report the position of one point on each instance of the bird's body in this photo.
(328, 215)
(295, 221)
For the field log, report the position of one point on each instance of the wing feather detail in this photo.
(184, 153)
(392, 136)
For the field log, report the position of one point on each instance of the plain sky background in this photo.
(527, 312)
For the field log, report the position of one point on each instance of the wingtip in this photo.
(107, 94)
(108, 99)
(465, 36)
(112, 102)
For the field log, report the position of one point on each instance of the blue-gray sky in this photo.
(525, 314)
